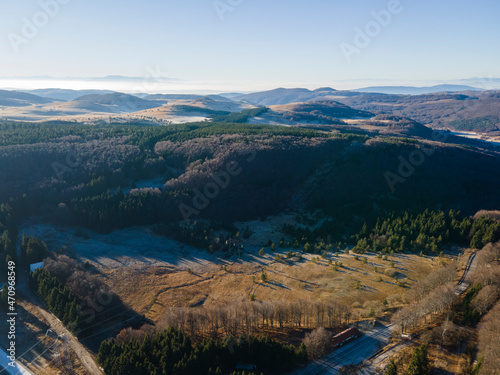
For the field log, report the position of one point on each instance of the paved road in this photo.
(471, 268)
(350, 354)
(370, 366)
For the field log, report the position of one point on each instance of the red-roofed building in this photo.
(346, 336)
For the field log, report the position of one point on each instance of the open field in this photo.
(152, 273)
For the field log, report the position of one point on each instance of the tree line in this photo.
(58, 298)
(435, 294)
(80, 300)
(8, 232)
(432, 295)
(33, 250)
(426, 232)
(172, 352)
(251, 317)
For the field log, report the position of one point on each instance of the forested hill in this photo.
(99, 177)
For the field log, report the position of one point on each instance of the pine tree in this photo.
(302, 353)
(391, 369)
(419, 363)
(4, 295)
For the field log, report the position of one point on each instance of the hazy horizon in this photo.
(150, 84)
(217, 46)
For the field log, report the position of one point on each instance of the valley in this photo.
(233, 187)
(292, 221)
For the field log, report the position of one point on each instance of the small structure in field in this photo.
(345, 336)
(35, 266)
(245, 367)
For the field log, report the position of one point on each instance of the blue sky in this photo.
(258, 42)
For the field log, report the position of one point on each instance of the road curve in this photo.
(471, 267)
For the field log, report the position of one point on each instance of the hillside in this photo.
(20, 99)
(464, 111)
(97, 107)
(444, 106)
(243, 228)
(285, 96)
(65, 94)
(115, 102)
(293, 167)
(327, 109)
(442, 110)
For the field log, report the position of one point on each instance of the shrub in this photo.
(390, 272)
(263, 276)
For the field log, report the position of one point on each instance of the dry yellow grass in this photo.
(311, 278)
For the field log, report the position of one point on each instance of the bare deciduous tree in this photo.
(318, 342)
(489, 333)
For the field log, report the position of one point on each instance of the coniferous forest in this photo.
(171, 352)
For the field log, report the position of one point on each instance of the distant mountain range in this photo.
(411, 90)
(297, 95)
